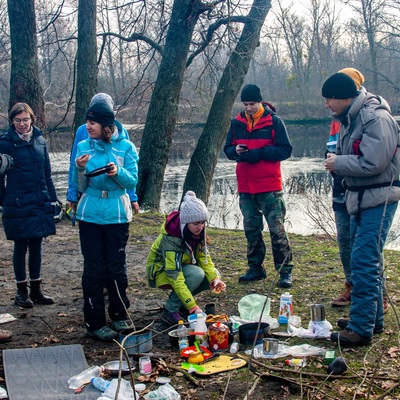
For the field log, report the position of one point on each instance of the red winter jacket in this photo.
(259, 169)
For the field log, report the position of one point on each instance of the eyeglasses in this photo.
(19, 121)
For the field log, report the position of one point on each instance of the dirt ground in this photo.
(62, 323)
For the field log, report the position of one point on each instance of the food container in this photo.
(195, 358)
(138, 342)
(248, 332)
(218, 336)
(270, 346)
(174, 339)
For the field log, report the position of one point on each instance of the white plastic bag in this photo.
(125, 390)
(3, 393)
(164, 392)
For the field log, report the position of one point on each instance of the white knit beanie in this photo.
(192, 209)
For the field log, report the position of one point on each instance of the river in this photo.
(307, 189)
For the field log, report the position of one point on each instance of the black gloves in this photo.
(6, 162)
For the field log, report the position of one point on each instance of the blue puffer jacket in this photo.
(104, 199)
(28, 190)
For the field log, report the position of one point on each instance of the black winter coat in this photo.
(27, 190)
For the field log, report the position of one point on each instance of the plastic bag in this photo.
(125, 390)
(302, 350)
(164, 392)
(250, 307)
(236, 322)
(3, 393)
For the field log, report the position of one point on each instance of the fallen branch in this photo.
(187, 375)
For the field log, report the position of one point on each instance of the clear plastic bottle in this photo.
(201, 330)
(234, 348)
(182, 336)
(296, 362)
(76, 381)
(100, 383)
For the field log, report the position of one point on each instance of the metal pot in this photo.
(137, 342)
(247, 333)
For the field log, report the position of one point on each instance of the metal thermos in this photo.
(317, 312)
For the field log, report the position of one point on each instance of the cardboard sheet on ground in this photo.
(221, 364)
(42, 373)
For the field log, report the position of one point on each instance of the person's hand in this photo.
(196, 310)
(251, 156)
(135, 207)
(114, 169)
(217, 285)
(240, 149)
(82, 160)
(330, 162)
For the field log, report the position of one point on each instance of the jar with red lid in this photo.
(218, 336)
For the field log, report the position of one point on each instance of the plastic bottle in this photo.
(296, 362)
(201, 330)
(182, 336)
(100, 383)
(234, 348)
(75, 382)
(285, 308)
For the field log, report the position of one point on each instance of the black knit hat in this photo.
(101, 113)
(339, 86)
(251, 93)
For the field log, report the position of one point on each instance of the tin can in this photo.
(145, 365)
(270, 346)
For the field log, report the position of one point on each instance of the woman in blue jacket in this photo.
(27, 196)
(104, 212)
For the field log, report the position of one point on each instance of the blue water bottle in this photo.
(100, 383)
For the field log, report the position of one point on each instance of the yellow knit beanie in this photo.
(354, 74)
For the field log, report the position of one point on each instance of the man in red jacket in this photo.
(258, 141)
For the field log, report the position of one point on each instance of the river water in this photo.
(307, 188)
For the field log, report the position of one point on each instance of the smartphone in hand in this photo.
(243, 146)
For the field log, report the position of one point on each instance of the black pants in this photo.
(34, 261)
(103, 249)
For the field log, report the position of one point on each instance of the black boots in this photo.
(37, 295)
(24, 300)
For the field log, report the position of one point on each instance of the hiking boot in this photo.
(342, 324)
(22, 298)
(349, 338)
(253, 274)
(37, 295)
(171, 318)
(286, 280)
(106, 334)
(344, 298)
(120, 325)
(5, 336)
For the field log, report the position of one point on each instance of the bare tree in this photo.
(205, 156)
(24, 79)
(86, 71)
(162, 113)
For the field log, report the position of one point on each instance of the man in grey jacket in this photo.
(367, 157)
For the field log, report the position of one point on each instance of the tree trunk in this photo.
(202, 164)
(162, 113)
(86, 70)
(24, 80)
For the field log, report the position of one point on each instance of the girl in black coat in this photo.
(26, 195)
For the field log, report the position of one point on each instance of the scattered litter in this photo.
(162, 380)
(302, 350)
(3, 393)
(6, 317)
(164, 392)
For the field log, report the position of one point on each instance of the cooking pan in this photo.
(112, 368)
